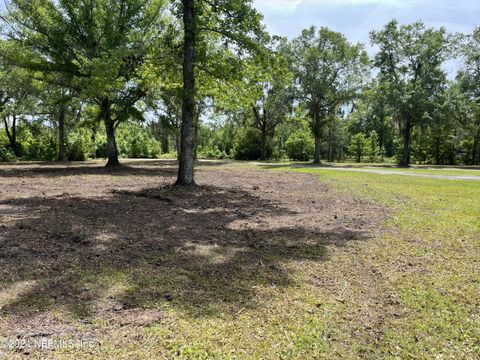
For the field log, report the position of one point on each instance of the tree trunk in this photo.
(12, 137)
(331, 144)
(197, 129)
(407, 140)
(5, 122)
(382, 141)
(476, 143)
(165, 143)
(94, 138)
(112, 151)
(177, 145)
(318, 139)
(263, 150)
(437, 150)
(187, 145)
(61, 135)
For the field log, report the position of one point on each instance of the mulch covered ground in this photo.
(82, 246)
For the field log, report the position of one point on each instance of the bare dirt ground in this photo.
(82, 246)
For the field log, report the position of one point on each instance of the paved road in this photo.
(383, 171)
(401, 173)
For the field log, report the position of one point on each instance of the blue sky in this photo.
(356, 18)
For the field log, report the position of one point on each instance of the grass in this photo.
(409, 291)
(416, 169)
(435, 233)
(435, 171)
(427, 261)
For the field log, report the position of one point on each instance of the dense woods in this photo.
(203, 79)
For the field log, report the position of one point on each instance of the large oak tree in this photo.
(329, 73)
(410, 59)
(95, 48)
(235, 25)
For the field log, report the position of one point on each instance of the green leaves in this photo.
(95, 47)
(410, 62)
(329, 70)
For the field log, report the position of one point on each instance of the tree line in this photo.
(203, 78)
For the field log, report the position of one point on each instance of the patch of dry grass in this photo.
(253, 263)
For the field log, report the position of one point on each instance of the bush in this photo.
(37, 141)
(6, 155)
(42, 147)
(134, 141)
(100, 146)
(248, 145)
(300, 146)
(76, 151)
(80, 145)
(214, 154)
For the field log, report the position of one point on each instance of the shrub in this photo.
(214, 154)
(6, 155)
(42, 147)
(300, 146)
(134, 141)
(37, 141)
(76, 151)
(80, 145)
(248, 145)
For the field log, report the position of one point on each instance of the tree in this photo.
(358, 146)
(329, 72)
(299, 146)
(59, 104)
(270, 88)
(372, 145)
(469, 78)
(236, 24)
(187, 144)
(18, 97)
(247, 144)
(374, 115)
(96, 48)
(410, 63)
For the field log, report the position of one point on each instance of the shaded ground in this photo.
(86, 253)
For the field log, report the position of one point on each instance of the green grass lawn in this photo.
(434, 171)
(434, 232)
(408, 290)
(425, 282)
(416, 169)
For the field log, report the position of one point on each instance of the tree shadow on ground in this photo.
(52, 171)
(130, 168)
(204, 249)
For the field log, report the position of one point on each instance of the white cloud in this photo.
(292, 7)
(356, 18)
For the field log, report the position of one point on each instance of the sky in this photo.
(356, 18)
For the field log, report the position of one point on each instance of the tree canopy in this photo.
(203, 78)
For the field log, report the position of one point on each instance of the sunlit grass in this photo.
(426, 260)
(410, 290)
(430, 257)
